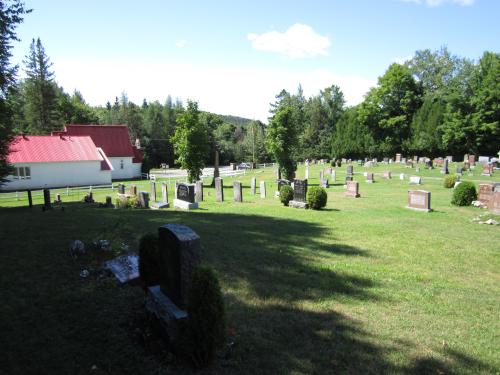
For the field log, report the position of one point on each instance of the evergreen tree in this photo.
(11, 15)
(40, 91)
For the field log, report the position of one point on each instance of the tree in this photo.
(190, 142)
(281, 139)
(388, 109)
(11, 14)
(40, 91)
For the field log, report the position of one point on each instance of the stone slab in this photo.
(183, 205)
(297, 204)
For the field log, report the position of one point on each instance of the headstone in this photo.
(179, 253)
(152, 185)
(484, 160)
(125, 268)
(472, 159)
(198, 191)
(232, 166)
(386, 174)
(143, 199)
(485, 193)
(216, 165)
(385, 160)
(328, 170)
(253, 183)
(415, 159)
(321, 175)
(398, 158)
(428, 164)
(324, 183)
(185, 197)
(109, 201)
(238, 191)
(350, 169)
(494, 206)
(30, 199)
(262, 189)
(401, 176)
(403, 160)
(299, 194)
(219, 190)
(417, 169)
(419, 200)
(466, 165)
(46, 199)
(450, 159)
(164, 192)
(391, 161)
(415, 180)
(58, 198)
(132, 190)
(445, 170)
(334, 175)
(348, 178)
(121, 189)
(369, 177)
(466, 158)
(307, 171)
(352, 189)
(282, 182)
(487, 170)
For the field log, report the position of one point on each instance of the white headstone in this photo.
(415, 180)
(401, 176)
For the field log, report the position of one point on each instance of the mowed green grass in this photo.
(363, 286)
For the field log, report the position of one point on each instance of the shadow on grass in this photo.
(278, 276)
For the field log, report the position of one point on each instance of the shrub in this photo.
(286, 194)
(339, 163)
(449, 181)
(464, 194)
(206, 322)
(316, 197)
(149, 260)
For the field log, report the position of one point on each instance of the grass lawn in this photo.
(364, 286)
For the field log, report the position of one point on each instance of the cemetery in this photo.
(390, 282)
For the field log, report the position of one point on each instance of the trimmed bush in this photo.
(286, 194)
(464, 194)
(206, 324)
(316, 197)
(149, 260)
(449, 181)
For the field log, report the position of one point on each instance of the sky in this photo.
(234, 57)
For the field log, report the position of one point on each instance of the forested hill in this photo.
(235, 120)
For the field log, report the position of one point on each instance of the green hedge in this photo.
(316, 197)
(464, 194)
(286, 194)
(449, 181)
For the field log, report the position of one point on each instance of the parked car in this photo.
(244, 166)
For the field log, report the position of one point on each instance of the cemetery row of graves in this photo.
(364, 285)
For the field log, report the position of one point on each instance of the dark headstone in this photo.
(198, 191)
(132, 190)
(109, 201)
(143, 199)
(445, 170)
(121, 189)
(179, 253)
(299, 190)
(419, 200)
(219, 189)
(46, 199)
(185, 192)
(238, 191)
(30, 199)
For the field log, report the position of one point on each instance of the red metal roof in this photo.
(43, 149)
(113, 139)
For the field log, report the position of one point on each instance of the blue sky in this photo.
(234, 56)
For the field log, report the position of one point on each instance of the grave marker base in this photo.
(183, 205)
(297, 204)
(159, 205)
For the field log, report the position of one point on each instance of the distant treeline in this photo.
(433, 104)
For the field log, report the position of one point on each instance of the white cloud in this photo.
(298, 41)
(180, 43)
(244, 92)
(435, 3)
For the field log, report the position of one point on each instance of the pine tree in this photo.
(40, 91)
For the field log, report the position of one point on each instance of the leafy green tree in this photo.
(40, 91)
(426, 133)
(190, 141)
(388, 109)
(281, 140)
(73, 109)
(254, 143)
(11, 15)
(351, 138)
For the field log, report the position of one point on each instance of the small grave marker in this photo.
(419, 200)
(219, 189)
(352, 189)
(198, 191)
(415, 180)
(238, 191)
